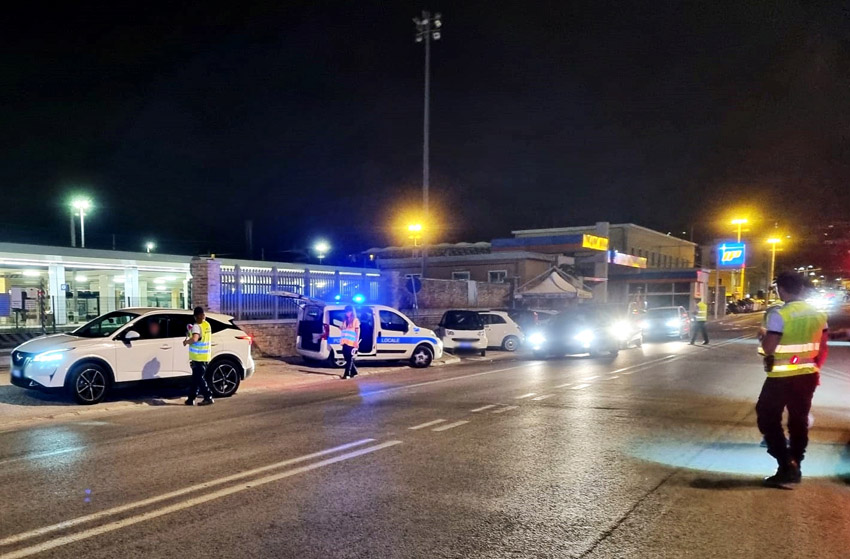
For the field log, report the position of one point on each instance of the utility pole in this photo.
(73, 231)
(427, 28)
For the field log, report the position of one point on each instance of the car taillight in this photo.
(246, 337)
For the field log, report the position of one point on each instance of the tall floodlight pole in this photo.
(427, 28)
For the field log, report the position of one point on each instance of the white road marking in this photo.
(564, 385)
(591, 378)
(450, 426)
(428, 424)
(529, 395)
(615, 376)
(543, 397)
(482, 408)
(112, 526)
(165, 496)
(504, 409)
(579, 387)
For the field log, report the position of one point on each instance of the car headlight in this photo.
(644, 324)
(620, 330)
(536, 339)
(672, 323)
(585, 337)
(51, 356)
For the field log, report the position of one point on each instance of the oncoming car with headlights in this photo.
(576, 331)
(129, 346)
(666, 322)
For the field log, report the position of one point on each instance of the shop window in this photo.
(461, 276)
(497, 276)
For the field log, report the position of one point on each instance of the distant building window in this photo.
(460, 276)
(497, 276)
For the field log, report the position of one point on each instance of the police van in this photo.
(385, 334)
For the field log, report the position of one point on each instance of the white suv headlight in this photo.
(51, 356)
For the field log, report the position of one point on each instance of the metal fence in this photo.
(245, 290)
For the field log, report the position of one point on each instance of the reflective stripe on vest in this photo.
(803, 327)
(202, 349)
(702, 312)
(349, 335)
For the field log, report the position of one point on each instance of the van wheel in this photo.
(511, 343)
(422, 357)
(483, 353)
(336, 362)
(224, 378)
(88, 384)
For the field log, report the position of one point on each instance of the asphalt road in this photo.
(652, 454)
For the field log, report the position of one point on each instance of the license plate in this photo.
(465, 345)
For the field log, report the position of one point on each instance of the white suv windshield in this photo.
(104, 326)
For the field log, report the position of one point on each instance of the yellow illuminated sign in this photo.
(594, 243)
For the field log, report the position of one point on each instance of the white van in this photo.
(385, 335)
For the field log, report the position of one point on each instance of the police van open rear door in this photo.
(310, 327)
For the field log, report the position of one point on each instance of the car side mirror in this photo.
(131, 335)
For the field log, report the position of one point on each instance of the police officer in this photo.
(200, 353)
(794, 347)
(699, 324)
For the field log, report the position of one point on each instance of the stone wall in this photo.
(448, 294)
(206, 283)
(272, 338)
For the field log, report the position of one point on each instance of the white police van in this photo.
(385, 334)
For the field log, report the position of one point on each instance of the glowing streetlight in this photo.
(82, 205)
(150, 246)
(322, 248)
(415, 230)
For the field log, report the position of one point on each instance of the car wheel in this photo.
(89, 383)
(224, 378)
(511, 343)
(422, 357)
(483, 352)
(639, 343)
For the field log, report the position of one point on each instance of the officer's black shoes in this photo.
(785, 476)
(345, 377)
(190, 402)
(207, 402)
(704, 343)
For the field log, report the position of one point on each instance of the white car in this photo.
(385, 334)
(130, 345)
(501, 330)
(463, 330)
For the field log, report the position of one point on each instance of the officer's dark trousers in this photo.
(350, 367)
(794, 393)
(199, 381)
(699, 326)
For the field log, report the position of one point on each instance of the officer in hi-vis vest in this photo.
(699, 323)
(794, 346)
(200, 353)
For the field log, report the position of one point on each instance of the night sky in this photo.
(183, 120)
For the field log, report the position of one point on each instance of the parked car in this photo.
(577, 330)
(501, 330)
(529, 319)
(386, 334)
(666, 322)
(463, 330)
(129, 346)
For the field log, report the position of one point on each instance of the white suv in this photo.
(130, 345)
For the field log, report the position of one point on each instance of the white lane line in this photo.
(504, 409)
(449, 426)
(112, 526)
(482, 408)
(543, 397)
(529, 395)
(428, 424)
(612, 378)
(590, 378)
(579, 387)
(564, 385)
(165, 496)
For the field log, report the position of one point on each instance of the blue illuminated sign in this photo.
(732, 255)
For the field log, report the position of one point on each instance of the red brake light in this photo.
(246, 337)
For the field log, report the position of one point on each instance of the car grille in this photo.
(20, 357)
(465, 339)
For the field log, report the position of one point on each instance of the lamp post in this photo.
(428, 27)
(321, 248)
(150, 246)
(773, 242)
(415, 230)
(81, 205)
(741, 222)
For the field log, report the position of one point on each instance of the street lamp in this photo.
(773, 242)
(321, 248)
(81, 205)
(741, 222)
(427, 28)
(149, 246)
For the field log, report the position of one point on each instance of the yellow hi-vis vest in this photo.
(202, 349)
(702, 312)
(803, 327)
